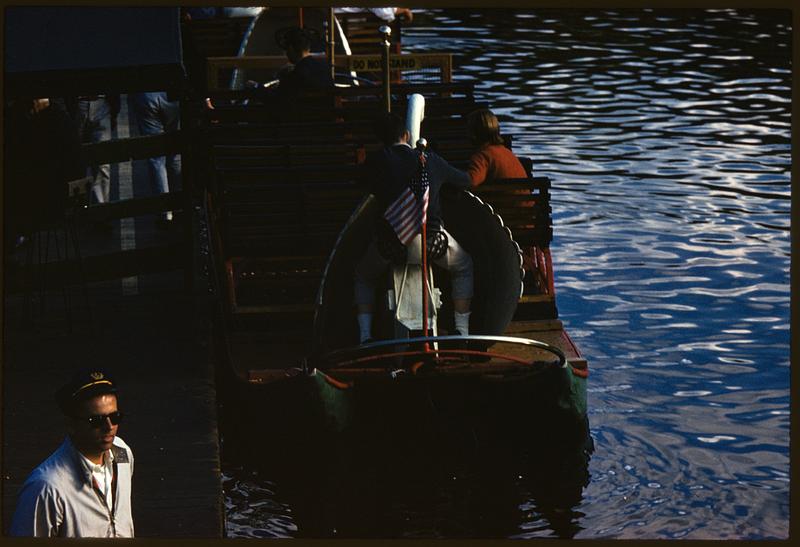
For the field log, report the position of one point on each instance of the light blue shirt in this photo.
(58, 498)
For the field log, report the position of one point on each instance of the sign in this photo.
(372, 63)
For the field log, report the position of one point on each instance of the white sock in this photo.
(462, 323)
(364, 326)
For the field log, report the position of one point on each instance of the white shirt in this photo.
(103, 474)
(58, 499)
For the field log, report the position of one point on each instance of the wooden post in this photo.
(447, 69)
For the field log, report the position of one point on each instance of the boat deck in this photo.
(251, 359)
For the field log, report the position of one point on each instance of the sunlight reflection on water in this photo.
(666, 134)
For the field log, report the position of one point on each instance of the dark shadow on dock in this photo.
(151, 333)
(156, 345)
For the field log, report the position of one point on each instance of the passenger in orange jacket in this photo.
(492, 160)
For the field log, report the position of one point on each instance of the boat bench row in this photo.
(283, 189)
(259, 154)
(362, 93)
(319, 112)
(446, 136)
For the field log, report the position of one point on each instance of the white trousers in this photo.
(372, 265)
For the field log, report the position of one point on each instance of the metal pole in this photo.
(426, 347)
(332, 42)
(386, 31)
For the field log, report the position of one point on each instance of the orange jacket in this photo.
(494, 161)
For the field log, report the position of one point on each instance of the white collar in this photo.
(398, 143)
(91, 467)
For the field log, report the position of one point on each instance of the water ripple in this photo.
(667, 136)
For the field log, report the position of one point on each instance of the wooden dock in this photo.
(153, 335)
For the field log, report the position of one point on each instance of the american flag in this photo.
(409, 211)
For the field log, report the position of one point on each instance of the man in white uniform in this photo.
(84, 488)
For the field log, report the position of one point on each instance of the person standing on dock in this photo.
(156, 113)
(96, 114)
(84, 488)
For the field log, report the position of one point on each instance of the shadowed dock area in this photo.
(156, 348)
(152, 335)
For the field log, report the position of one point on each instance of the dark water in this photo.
(666, 134)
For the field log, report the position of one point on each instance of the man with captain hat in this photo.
(84, 488)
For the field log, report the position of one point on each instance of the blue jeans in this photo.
(94, 118)
(155, 115)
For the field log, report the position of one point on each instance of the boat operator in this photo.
(84, 488)
(388, 172)
(307, 72)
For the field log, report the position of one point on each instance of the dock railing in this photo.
(162, 257)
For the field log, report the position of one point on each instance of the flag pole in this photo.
(426, 348)
(386, 31)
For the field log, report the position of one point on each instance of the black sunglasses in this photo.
(99, 420)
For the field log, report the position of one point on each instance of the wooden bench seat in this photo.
(349, 111)
(252, 178)
(286, 155)
(434, 107)
(278, 238)
(340, 96)
(280, 132)
(403, 91)
(524, 207)
(351, 132)
(251, 113)
(276, 284)
(461, 92)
